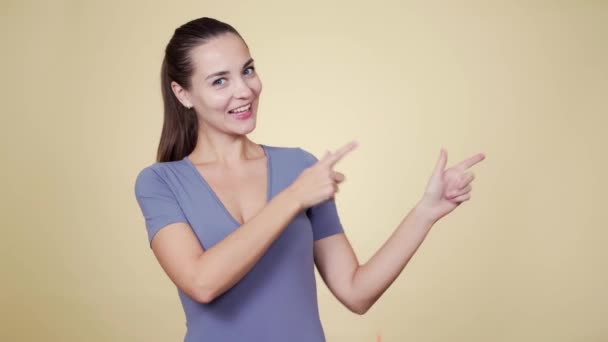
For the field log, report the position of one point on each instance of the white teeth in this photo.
(241, 109)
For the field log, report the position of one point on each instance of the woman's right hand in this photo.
(319, 182)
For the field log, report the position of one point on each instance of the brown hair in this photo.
(180, 125)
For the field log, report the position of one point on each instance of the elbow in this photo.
(203, 292)
(355, 301)
(204, 296)
(359, 310)
(359, 307)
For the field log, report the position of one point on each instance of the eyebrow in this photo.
(222, 73)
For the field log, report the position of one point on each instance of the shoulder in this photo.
(147, 179)
(155, 176)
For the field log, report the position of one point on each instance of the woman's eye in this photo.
(252, 69)
(217, 82)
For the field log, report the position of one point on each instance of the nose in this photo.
(243, 90)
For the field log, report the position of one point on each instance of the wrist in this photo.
(291, 197)
(424, 214)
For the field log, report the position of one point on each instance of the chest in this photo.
(241, 192)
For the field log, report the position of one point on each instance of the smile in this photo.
(240, 109)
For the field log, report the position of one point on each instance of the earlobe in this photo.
(180, 93)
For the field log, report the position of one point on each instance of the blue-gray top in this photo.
(277, 299)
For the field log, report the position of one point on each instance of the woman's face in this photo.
(224, 80)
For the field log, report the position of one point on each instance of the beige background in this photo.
(523, 81)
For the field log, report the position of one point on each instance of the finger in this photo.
(466, 179)
(467, 163)
(337, 176)
(325, 156)
(440, 165)
(461, 198)
(460, 192)
(341, 152)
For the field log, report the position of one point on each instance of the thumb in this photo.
(440, 166)
(325, 156)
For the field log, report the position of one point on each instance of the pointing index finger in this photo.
(335, 157)
(467, 163)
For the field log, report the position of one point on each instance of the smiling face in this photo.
(224, 80)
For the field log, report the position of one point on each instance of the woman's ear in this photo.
(181, 94)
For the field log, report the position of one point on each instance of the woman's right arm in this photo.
(205, 275)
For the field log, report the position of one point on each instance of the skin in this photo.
(227, 156)
(359, 286)
(222, 138)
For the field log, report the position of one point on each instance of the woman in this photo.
(238, 226)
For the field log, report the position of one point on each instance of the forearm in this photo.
(223, 265)
(371, 279)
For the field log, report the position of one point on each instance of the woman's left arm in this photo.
(358, 287)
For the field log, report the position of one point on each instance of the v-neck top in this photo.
(219, 202)
(277, 299)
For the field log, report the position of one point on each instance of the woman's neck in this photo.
(225, 150)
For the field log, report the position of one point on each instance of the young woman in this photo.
(239, 226)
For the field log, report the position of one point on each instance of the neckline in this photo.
(216, 197)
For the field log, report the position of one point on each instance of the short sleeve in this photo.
(156, 201)
(323, 216)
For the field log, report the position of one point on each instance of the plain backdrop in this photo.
(524, 82)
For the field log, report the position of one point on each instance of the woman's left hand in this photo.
(447, 189)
